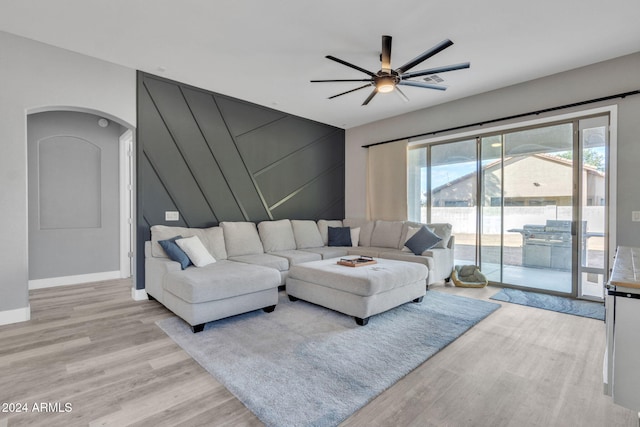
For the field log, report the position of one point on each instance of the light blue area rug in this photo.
(594, 310)
(304, 365)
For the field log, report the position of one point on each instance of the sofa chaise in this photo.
(218, 290)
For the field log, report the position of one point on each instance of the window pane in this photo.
(417, 185)
(453, 194)
(593, 200)
(491, 205)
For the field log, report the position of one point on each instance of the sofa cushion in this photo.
(306, 234)
(386, 234)
(196, 251)
(323, 227)
(266, 260)
(372, 251)
(221, 280)
(422, 240)
(296, 256)
(241, 238)
(329, 251)
(163, 232)
(212, 238)
(339, 236)
(366, 229)
(276, 235)
(444, 231)
(174, 251)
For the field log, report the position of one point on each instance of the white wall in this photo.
(598, 80)
(35, 76)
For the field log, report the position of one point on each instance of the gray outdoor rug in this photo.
(594, 310)
(304, 365)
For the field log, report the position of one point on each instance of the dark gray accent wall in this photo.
(214, 158)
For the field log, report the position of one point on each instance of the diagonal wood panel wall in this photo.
(214, 158)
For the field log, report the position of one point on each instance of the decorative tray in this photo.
(357, 262)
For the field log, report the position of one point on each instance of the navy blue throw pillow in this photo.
(174, 251)
(421, 241)
(339, 236)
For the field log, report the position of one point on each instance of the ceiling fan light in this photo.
(385, 84)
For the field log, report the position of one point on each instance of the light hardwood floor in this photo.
(95, 348)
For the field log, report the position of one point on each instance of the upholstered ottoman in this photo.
(361, 291)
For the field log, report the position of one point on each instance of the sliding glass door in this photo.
(528, 210)
(528, 205)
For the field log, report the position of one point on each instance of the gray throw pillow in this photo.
(421, 241)
(174, 251)
(339, 236)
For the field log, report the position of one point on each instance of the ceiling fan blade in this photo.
(401, 94)
(370, 97)
(340, 80)
(355, 67)
(425, 55)
(420, 84)
(437, 70)
(385, 57)
(349, 91)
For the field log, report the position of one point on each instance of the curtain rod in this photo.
(531, 113)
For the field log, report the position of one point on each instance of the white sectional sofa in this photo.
(252, 262)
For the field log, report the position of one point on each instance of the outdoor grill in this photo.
(547, 246)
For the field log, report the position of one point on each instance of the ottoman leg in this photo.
(292, 298)
(418, 300)
(362, 322)
(269, 309)
(197, 328)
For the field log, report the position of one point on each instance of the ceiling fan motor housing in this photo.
(386, 82)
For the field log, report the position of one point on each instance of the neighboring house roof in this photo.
(511, 160)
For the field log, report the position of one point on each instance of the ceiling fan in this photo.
(388, 79)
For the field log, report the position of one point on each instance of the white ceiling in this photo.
(266, 51)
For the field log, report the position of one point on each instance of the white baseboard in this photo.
(14, 316)
(139, 294)
(74, 280)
